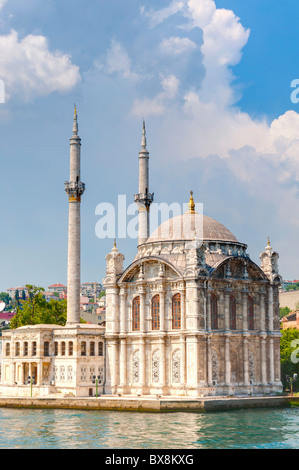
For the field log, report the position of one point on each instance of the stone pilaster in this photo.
(263, 361)
(246, 361)
(227, 361)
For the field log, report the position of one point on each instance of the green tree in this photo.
(36, 310)
(283, 311)
(17, 298)
(5, 297)
(289, 355)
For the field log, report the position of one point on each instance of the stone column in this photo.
(245, 309)
(209, 363)
(263, 312)
(208, 310)
(183, 310)
(263, 361)
(142, 363)
(142, 294)
(123, 362)
(123, 312)
(162, 311)
(227, 361)
(246, 361)
(183, 361)
(22, 374)
(271, 309)
(39, 378)
(271, 358)
(226, 311)
(163, 362)
(113, 361)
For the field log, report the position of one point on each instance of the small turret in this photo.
(269, 263)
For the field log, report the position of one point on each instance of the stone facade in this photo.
(215, 333)
(58, 360)
(192, 315)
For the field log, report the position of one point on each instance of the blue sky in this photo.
(212, 80)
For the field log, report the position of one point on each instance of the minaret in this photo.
(144, 198)
(74, 189)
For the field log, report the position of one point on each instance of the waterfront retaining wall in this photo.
(149, 404)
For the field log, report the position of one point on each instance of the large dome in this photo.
(189, 225)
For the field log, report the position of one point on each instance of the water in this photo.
(67, 429)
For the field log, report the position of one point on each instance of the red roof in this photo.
(57, 285)
(6, 315)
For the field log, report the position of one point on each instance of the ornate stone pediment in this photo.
(238, 268)
(148, 270)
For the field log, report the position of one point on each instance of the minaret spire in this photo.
(144, 198)
(75, 125)
(143, 140)
(74, 189)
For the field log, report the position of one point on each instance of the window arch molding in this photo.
(250, 312)
(214, 311)
(176, 311)
(136, 314)
(155, 308)
(232, 312)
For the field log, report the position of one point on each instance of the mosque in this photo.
(192, 316)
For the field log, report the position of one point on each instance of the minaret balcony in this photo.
(144, 198)
(74, 190)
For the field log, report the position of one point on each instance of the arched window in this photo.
(25, 349)
(17, 349)
(214, 312)
(156, 313)
(46, 348)
(136, 314)
(55, 348)
(63, 348)
(250, 313)
(7, 349)
(232, 313)
(34, 348)
(92, 348)
(176, 312)
(101, 349)
(83, 348)
(71, 348)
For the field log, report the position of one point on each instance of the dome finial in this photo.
(191, 204)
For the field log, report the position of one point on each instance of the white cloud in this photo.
(261, 154)
(117, 61)
(200, 12)
(28, 67)
(159, 16)
(2, 3)
(177, 45)
(157, 106)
